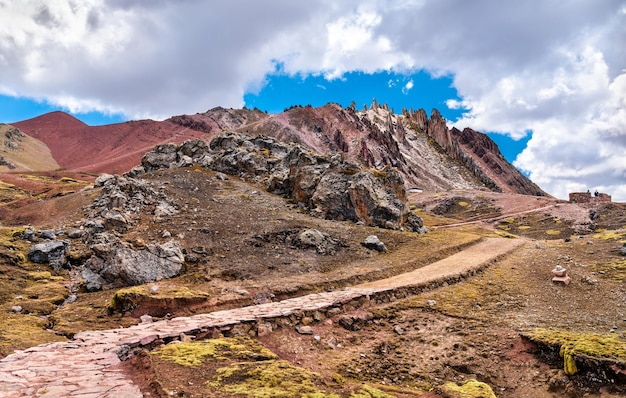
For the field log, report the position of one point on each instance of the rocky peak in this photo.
(12, 137)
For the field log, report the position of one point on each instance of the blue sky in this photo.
(546, 81)
(280, 90)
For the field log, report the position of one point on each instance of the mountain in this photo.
(428, 154)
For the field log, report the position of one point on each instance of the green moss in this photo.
(469, 389)
(553, 232)
(573, 345)
(196, 353)
(125, 299)
(38, 307)
(16, 232)
(350, 170)
(508, 220)
(246, 368)
(610, 235)
(463, 204)
(616, 270)
(505, 234)
(369, 392)
(44, 276)
(381, 174)
(20, 331)
(274, 378)
(337, 378)
(523, 227)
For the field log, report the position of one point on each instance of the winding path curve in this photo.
(88, 366)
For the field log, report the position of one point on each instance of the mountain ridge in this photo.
(429, 155)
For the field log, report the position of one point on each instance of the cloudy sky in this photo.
(550, 74)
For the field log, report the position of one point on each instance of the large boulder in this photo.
(51, 252)
(117, 265)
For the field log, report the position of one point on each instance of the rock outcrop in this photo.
(122, 199)
(325, 186)
(115, 263)
(478, 153)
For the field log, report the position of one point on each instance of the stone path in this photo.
(89, 366)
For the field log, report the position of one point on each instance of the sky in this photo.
(545, 79)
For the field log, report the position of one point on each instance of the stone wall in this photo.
(588, 197)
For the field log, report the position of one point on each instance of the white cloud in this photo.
(518, 66)
(407, 87)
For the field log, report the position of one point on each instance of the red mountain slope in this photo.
(113, 148)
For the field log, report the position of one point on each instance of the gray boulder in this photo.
(161, 157)
(117, 265)
(51, 252)
(48, 234)
(320, 241)
(373, 243)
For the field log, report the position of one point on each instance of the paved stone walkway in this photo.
(89, 365)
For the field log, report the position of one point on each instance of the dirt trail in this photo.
(494, 219)
(465, 261)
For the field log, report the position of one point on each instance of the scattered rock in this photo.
(354, 322)
(432, 302)
(164, 209)
(221, 176)
(264, 328)
(48, 234)
(373, 243)
(75, 234)
(263, 298)
(322, 242)
(121, 199)
(28, 234)
(146, 319)
(184, 338)
(304, 330)
(123, 352)
(398, 329)
(16, 308)
(589, 280)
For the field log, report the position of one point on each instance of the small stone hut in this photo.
(588, 197)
